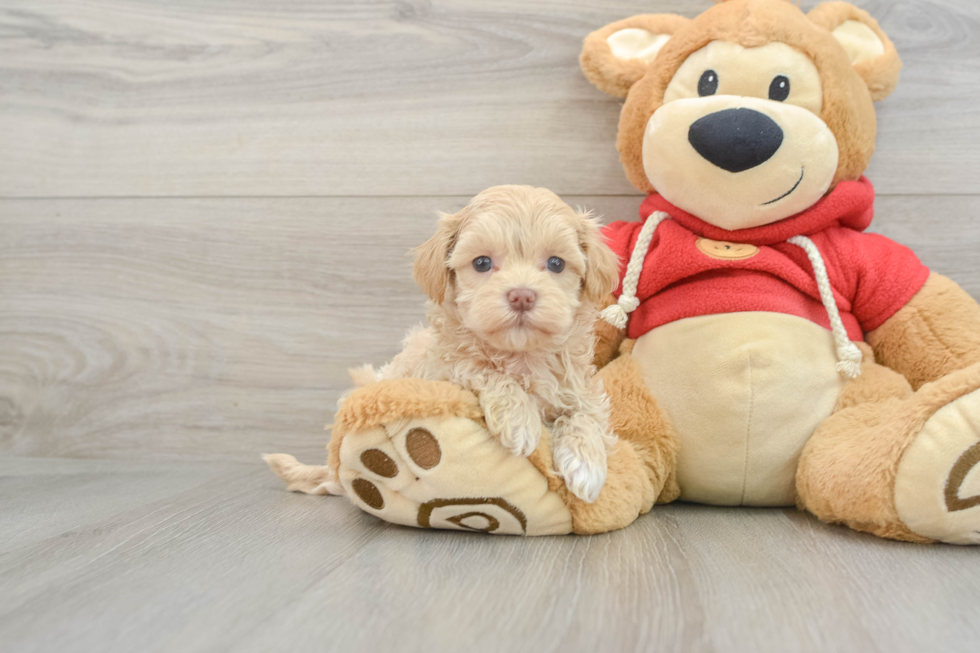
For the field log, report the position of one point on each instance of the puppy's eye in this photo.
(556, 264)
(708, 84)
(779, 89)
(482, 264)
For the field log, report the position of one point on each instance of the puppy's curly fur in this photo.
(531, 365)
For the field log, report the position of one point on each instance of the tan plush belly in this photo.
(745, 392)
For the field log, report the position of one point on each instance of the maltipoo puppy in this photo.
(514, 280)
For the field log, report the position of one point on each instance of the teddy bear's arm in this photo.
(936, 333)
(607, 338)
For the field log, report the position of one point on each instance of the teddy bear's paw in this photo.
(448, 473)
(937, 487)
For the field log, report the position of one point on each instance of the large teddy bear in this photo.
(761, 348)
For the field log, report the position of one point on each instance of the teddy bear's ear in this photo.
(871, 52)
(618, 55)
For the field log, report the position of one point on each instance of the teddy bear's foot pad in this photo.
(937, 487)
(440, 468)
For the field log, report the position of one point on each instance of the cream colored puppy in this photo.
(514, 280)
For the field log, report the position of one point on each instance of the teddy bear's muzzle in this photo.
(736, 140)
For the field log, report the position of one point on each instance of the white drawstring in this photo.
(618, 314)
(848, 355)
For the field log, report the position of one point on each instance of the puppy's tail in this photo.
(311, 479)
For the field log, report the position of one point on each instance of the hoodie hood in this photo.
(850, 205)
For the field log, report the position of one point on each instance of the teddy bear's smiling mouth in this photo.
(790, 191)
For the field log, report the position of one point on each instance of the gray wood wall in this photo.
(205, 205)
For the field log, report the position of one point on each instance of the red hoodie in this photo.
(693, 268)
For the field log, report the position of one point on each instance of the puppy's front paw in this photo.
(580, 459)
(584, 476)
(512, 416)
(520, 434)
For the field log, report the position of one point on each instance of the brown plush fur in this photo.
(607, 338)
(877, 383)
(611, 75)
(881, 74)
(847, 470)
(639, 420)
(936, 333)
(387, 401)
(847, 107)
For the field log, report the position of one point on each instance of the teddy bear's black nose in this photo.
(736, 140)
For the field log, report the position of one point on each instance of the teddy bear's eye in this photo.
(556, 264)
(708, 84)
(779, 89)
(482, 264)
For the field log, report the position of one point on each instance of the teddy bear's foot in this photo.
(448, 473)
(899, 464)
(417, 453)
(937, 485)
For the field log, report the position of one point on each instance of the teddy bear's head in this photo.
(749, 113)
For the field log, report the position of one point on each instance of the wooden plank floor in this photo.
(123, 556)
(204, 211)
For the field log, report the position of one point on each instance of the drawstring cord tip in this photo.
(850, 360)
(850, 369)
(618, 314)
(615, 315)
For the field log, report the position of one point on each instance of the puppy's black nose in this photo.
(736, 140)
(522, 299)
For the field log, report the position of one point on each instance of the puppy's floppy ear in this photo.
(871, 52)
(431, 268)
(602, 266)
(618, 55)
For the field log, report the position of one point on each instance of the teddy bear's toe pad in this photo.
(937, 487)
(448, 473)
